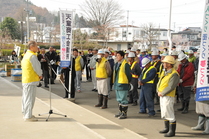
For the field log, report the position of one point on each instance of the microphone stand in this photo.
(50, 89)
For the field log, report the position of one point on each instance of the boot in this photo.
(182, 108)
(172, 130)
(120, 110)
(166, 122)
(185, 111)
(206, 132)
(134, 103)
(105, 102)
(124, 112)
(100, 99)
(201, 122)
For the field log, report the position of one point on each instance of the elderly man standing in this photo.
(146, 80)
(186, 72)
(103, 71)
(92, 65)
(166, 89)
(122, 78)
(31, 74)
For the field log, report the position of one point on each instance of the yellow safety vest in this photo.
(145, 74)
(154, 63)
(28, 73)
(77, 63)
(163, 82)
(132, 66)
(122, 78)
(160, 70)
(100, 69)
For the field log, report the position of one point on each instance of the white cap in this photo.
(133, 49)
(143, 50)
(181, 56)
(190, 52)
(155, 52)
(145, 61)
(107, 51)
(174, 53)
(127, 51)
(101, 51)
(131, 54)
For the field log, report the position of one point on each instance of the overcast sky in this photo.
(185, 13)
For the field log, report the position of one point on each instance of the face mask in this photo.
(99, 56)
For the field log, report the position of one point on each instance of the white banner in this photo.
(66, 24)
(202, 92)
(17, 50)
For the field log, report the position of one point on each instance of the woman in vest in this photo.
(122, 78)
(135, 71)
(31, 75)
(166, 89)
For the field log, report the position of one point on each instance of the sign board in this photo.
(31, 19)
(66, 22)
(202, 92)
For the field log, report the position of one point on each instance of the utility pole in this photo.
(28, 33)
(159, 36)
(169, 28)
(127, 26)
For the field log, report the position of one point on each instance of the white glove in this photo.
(180, 81)
(52, 62)
(88, 65)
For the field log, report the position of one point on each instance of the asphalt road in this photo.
(139, 123)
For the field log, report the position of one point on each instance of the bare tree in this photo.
(150, 34)
(102, 14)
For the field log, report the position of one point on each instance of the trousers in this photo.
(78, 80)
(133, 95)
(121, 96)
(102, 87)
(93, 76)
(28, 100)
(146, 99)
(167, 108)
(184, 93)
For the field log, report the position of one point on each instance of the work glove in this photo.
(180, 81)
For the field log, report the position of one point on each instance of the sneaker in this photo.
(79, 91)
(32, 119)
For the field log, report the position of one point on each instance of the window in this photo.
(164, 33)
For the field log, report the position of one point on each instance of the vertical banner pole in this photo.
(66, 30)
(202, 92)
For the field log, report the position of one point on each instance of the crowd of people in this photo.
(138, 78)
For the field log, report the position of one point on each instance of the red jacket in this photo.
(187, 74)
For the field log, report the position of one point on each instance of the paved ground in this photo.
(141, 124)
(80, 123)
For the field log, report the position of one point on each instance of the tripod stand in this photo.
(50, 89)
